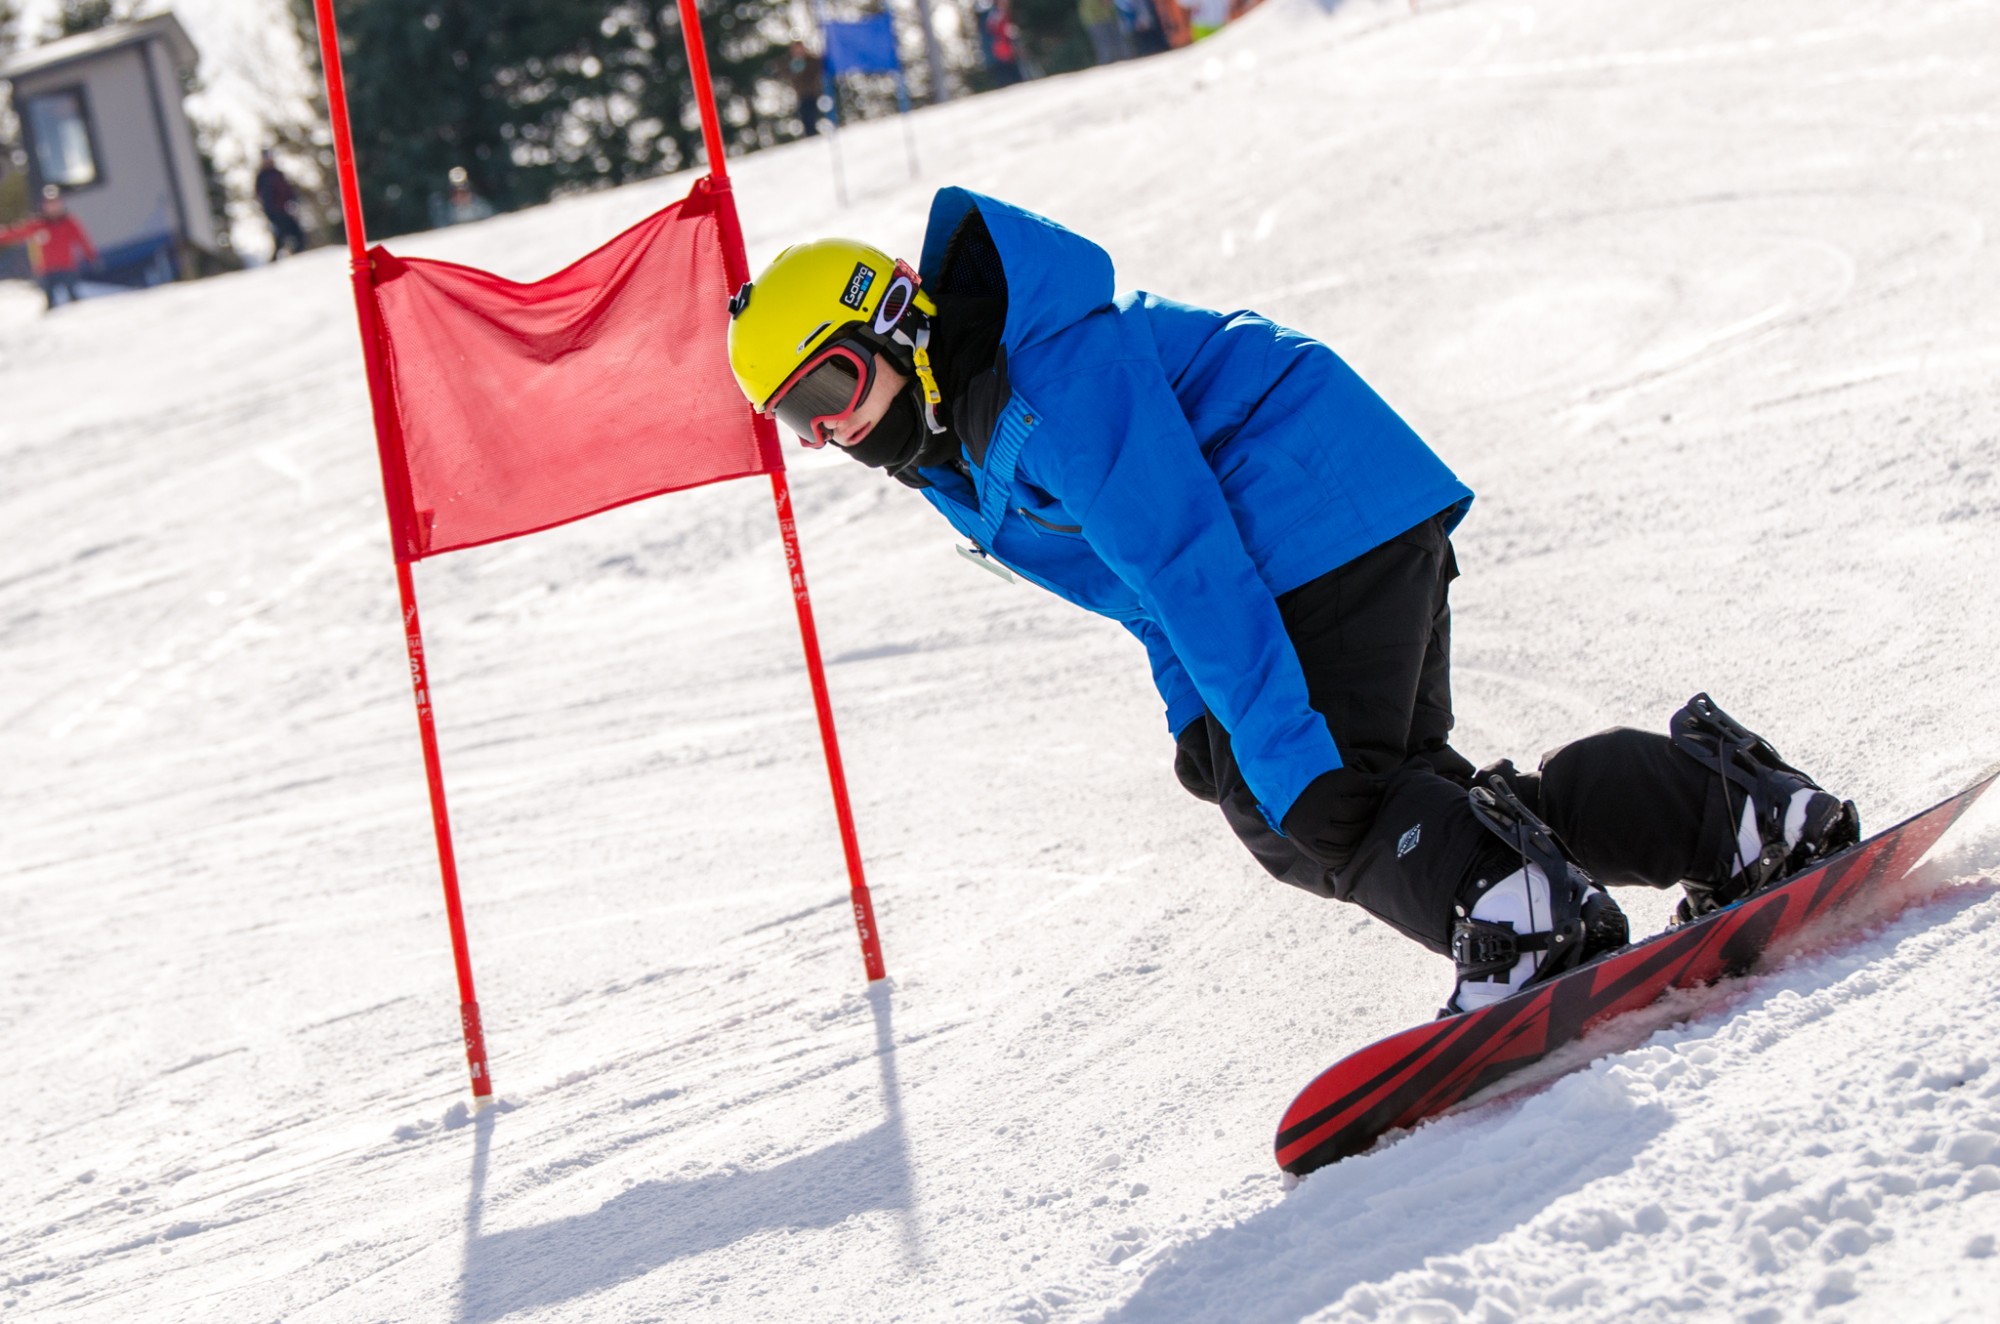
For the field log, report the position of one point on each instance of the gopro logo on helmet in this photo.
(858, 286)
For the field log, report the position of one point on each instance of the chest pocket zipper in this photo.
(1039, 522)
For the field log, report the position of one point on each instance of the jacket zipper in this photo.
(1033, 518)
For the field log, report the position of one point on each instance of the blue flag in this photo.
(867, 47)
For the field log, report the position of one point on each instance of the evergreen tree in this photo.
(304, 145)
(76, 16)
(215, 193)
(13, 161)
(1053, 35)
(532, 98)
(438, 84)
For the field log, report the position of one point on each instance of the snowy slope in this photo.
(1699, 298)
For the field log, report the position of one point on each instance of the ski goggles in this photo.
(826, 389)
(830, 386)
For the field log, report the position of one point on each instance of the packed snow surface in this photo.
(1700, 298)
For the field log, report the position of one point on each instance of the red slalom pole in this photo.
(864, 906)
(736, 263)
(396, 495)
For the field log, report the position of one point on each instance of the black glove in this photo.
(1194, 762)
(1330, 816)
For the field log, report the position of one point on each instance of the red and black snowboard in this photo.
(1408, 1077)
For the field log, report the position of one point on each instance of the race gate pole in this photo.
(395, 491)
(737, 263)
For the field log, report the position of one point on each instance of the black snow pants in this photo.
(1374, 640)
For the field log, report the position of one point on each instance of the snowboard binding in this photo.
(1532, 924)
(1786, 821)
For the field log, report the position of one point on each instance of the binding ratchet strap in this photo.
(1716, 739)
(1500, 810)
(1486, 952)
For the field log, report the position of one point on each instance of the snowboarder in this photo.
(280, 202)
(1279, 540)
(58, 247)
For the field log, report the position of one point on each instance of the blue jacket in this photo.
(1176, 469)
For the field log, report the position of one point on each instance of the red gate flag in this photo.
(520, 407)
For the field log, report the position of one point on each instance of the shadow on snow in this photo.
(1453, 1185)
(657, 1222)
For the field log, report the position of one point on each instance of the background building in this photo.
(101, 117)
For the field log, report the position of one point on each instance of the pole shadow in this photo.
(658, 1222)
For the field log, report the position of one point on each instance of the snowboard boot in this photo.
(1528, 913)
(1785, 820)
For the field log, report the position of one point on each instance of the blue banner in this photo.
(867, 47)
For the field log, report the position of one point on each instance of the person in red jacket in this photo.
(57, 244)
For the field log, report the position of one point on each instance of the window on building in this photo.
(61, 135)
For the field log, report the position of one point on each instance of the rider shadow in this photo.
(657, 1222)
(1435, 1194)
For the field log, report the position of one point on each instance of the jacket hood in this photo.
(1054, 277)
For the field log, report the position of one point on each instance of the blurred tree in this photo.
(13, 163)
(303, 143)
(207, 134)
(1053, 34)
(74, 16)
(533, 98)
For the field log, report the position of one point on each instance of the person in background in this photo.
(808, 83)
(1107, 34)
(1141, 22)
(58, 247)
(1000, 40)
(280, 201)
(461, 205)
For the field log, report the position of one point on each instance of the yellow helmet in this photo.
(812, 303)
